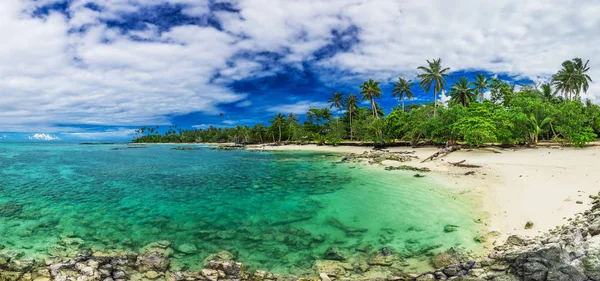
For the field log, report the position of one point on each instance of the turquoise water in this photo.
(275, 211)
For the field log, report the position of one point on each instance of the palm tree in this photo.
(433, 75)
(351, 101)
(370, 91)
(536, 124)
(292, 119)
(572, 78)
(461, 92)
(547, 92)
(259, 130)
(481, 84)
(402, 89)
(337, 101)
(278, 121)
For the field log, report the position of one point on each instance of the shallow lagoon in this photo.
(276, 211)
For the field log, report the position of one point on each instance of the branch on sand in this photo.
(445, 151)
(463, 165)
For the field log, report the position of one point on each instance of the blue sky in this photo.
(94, 70)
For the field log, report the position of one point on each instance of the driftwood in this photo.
(445, 151)
(463, 165)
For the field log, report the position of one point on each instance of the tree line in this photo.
(551, 111)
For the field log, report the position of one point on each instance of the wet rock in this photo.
(450, 228)
(382, 257)
(333, 253)
(155, 257)
(187, 249)
(332, 268)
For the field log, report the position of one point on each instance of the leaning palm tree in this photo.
(434, 75)
(278, 122)
(481, 84)
(292, 119)
(351, 102)
(370, 91)
(402, 89)
(462, 93)
(336, 100)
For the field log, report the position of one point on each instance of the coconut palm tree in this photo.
(370, 91)
(433, 75)
(461, 92)
(336, 101)
(278, 121)
(481, 84)
(351, 102)
(572, 78)
(402, 89)
(292, 119)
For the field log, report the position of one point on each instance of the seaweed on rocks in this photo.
(10, 209)
(408, 168)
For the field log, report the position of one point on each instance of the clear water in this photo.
(276, 211)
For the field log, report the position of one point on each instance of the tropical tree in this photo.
(402, 89)
(481, 84)
(336, 101)
(370, 91)
(433, 75)
(278, 122)
(292, 120)
(462, 93)
(258, 131)
(351, 105)
(572, 78)
(536, 124)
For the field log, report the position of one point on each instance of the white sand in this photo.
(515, 186)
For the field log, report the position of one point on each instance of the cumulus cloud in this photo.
(43, 137)
(79, 70)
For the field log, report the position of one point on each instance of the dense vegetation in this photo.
(552, 111)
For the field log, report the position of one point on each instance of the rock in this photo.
(332, 268)
(222, 256)
(450, 228)
(324, 277)
(515, 240)
(333, 253)
(155, 257)
(152, 275)
(529, 225)
(443, 259)
(382, 257)
(579, 202)
(547, 263)
(594, 227)
(187, 249)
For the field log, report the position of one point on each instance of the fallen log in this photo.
(445, 151)
(463, 165)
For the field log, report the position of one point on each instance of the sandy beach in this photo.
(545, 185)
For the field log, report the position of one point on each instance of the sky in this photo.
(95, 70)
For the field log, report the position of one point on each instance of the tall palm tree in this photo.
(351, 102)
(434, 75)
(402, 89)
(461, 92)
(278, 121)
(292, 119)
(481, 84)
(572, 78)
(337, 101)
(370, 91)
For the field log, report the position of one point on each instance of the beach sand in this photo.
(541, 185)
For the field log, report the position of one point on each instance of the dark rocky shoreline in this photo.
(570, 252)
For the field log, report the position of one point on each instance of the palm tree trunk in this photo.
(402, 104)
(434, 103)
(279, 132)
(350, 123)
(375, 114)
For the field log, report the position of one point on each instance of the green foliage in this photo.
(526, 116)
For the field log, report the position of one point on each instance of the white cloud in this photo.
(245, 103)
(119, 133)
(298, 108)
(43, 137)
(50, 75)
